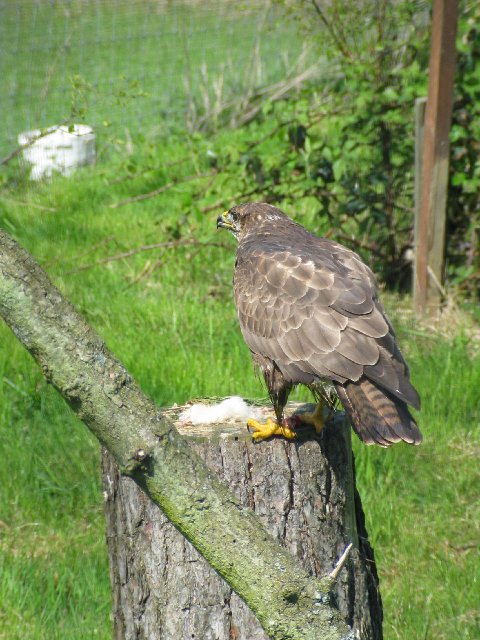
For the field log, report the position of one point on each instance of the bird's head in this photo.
(243, 218)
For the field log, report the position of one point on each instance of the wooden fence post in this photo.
(430, 227)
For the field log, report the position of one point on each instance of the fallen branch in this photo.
(241, 197)
(74, 258)
(278, 91)
(157, 192)
(20, 148)
(341, 561)
(147, 270)
(172, 244)
(33, 205)
(255, 103)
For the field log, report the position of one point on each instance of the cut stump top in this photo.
(235, 427)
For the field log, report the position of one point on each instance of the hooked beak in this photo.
(224, 221)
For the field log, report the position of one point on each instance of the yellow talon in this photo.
(315, 418)
(268, 429)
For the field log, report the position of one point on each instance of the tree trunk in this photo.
(304, 493)
(289, 603)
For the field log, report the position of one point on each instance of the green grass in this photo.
(176, 331)
(52, 561)
(422, 506)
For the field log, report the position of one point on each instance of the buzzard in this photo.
(310, 314)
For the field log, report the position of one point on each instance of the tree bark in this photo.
(288, 602)
(304, 493)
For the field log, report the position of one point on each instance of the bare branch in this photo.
(33, 205)
(436, 281)
(240, 197)
(331, 31)
(162, 189)
(171, 244)
(360, 244)
(276, 92)
(143, 196)
(75, 258)
(341, 561)
(28, 144)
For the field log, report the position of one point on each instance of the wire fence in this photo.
(142, 65)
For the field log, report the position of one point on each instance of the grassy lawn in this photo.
(168, 314)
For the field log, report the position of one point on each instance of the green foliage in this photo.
(464, 192)
(360, 141)
(357, 158)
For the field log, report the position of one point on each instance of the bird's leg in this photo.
(316, 417)
(270, 428)
(281, 426)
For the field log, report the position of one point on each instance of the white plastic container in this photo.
(58, 150)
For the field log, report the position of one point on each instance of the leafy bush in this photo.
(463, 254)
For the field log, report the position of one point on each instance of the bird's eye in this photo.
(234, 216)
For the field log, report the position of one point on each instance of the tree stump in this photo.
(303, 491)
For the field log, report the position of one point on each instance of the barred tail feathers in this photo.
(377, 416)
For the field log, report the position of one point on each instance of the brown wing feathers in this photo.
(310, 306)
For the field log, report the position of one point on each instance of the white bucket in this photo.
(59, 148)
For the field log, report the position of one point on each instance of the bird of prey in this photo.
(309, 312)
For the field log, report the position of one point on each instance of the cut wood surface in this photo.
(304, 493)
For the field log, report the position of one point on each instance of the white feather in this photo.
(233, 408)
